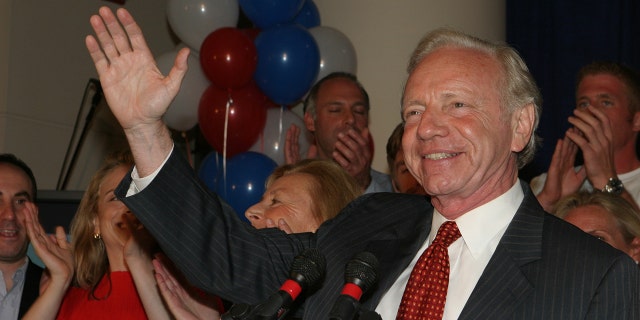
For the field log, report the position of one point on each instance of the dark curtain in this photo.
(556, 38)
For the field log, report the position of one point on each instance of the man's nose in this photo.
(431, 125)
(349, 117)
(7, 211)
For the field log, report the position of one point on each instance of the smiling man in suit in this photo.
(470, 109)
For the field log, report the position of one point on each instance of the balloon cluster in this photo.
(240, 82)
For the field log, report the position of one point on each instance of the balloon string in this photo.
(186, 143)
(224, 148)
(280, 127)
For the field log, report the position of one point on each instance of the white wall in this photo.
(42, 43)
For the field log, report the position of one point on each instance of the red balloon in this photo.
(228, 58)
(246, 120)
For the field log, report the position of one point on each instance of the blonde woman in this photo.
(108, 263)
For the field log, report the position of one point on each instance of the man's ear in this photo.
(309, 122)
(522, 121)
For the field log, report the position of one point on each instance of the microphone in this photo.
(361, 273)
(307, 271)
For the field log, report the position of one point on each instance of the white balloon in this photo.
(194, 20)
(271, 141)
(182, 114)
(336, 51)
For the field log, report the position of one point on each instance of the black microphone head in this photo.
(308, 268)
(362, 270)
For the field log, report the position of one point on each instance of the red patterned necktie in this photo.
(426, 292)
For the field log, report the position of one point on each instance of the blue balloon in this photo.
(288, 62)
(246, 175)
(268, 13)
(210, 170)
(308, 16)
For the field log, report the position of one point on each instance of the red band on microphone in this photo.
(292, 288)
(352, 290)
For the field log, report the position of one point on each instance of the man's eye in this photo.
(458, 104)
(21, 201)
(582, 105)
(606, 103)
(411, 113)
(361, 110)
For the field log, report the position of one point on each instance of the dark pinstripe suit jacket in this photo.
(543, 268)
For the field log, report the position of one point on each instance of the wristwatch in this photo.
(613, 186)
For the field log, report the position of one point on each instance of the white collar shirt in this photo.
(10, 300)
(481, 229)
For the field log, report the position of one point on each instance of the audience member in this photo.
(109, 262)
(336, 112)
(20, 281)
(401, 178)
(470, 109)
(605, 127)
(607, 217)
(301, 196)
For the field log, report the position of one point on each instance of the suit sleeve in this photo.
(204, 237)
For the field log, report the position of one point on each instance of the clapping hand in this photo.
(54, 251)
(184, 304)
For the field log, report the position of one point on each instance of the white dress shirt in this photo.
(10, 299)
(481, 229)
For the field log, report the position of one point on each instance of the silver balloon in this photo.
(336, 51)
(194, 20)
(271, 141)
(182, 114)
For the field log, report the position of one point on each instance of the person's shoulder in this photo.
(568, 240)
(380, 182)
(385, 203)
(375, 173)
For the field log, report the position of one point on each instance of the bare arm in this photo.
(137, 93)
(183, 303)
(137, 254)
(562, 178)
(55, 252)
(596, 143)
(595, 139)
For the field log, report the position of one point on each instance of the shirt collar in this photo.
(482, 227)
(20, 272)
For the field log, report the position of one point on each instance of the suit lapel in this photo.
(394, 255)
(503, 285)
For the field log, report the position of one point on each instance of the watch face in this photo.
(614, 186)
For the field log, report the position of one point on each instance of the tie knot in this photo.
(447, 234)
